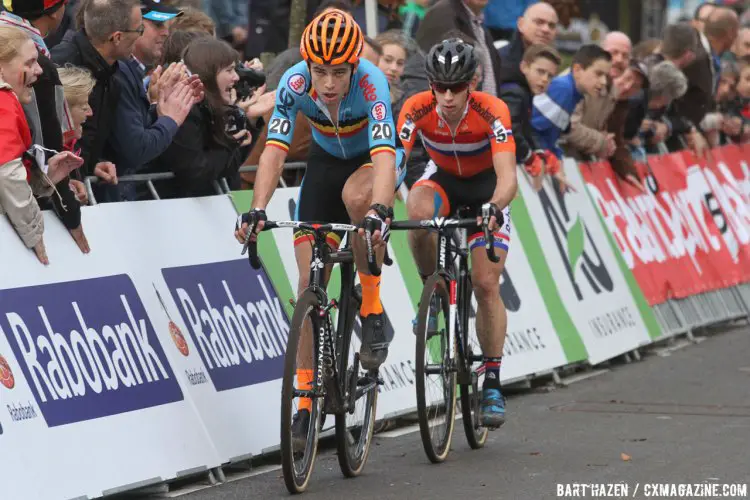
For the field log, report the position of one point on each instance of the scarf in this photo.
(21, 23)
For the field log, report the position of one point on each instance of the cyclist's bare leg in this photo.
(420, 205)
(357, 196)
(492, 318)
(491, 325)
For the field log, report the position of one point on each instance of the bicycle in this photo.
(338, 383)
(447, 348)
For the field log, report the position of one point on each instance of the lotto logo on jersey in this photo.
(379, 111)
(368, 89)
(6, 375)
(297, 83)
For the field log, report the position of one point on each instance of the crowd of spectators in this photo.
(109, 89)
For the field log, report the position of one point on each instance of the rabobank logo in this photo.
(86, 348)
(235, 320)
(6, 375)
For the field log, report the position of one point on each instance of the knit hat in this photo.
(31, 9)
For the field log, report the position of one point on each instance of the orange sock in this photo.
(370, 295)
(304, 382)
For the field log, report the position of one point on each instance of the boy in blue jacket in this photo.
(553, 109)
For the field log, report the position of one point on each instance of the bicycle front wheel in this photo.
(354, 428)
(299, 439)
(436, 374)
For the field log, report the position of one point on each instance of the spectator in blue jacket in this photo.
(142, 131)
(553, 109)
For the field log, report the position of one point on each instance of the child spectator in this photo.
(538, 67)
(553, 109)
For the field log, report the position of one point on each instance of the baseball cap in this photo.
(157, 11)
(31, 9)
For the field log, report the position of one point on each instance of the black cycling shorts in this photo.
(320, 195)
(452, 193)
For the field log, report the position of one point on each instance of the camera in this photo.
(236, 120)
(250, 80)
(648, 134)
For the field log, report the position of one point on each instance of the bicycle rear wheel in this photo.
(354, 429)
(298, 458)
(436, 411)
(471, 395)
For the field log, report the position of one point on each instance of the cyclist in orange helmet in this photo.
(351, 171)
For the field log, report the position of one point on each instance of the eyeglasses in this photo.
(455, 88)
(140, 29)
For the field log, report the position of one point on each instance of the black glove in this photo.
(490, 209)
(250, 218)
(378, 221)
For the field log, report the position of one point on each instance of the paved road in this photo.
(681, 418)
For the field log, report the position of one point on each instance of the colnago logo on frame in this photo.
(87, 349)
(235, 319)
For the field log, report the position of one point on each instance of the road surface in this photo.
(678, 417)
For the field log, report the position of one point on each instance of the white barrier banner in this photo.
(584, 268)
(90, 400)
(531, 344)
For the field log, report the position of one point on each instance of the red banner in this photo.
(690, 233)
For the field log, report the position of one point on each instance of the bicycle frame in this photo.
(452, 244)
(329, 382)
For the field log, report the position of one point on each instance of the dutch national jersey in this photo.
(484, 130)
(365, 121)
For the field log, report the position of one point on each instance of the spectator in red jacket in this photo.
(21, 176)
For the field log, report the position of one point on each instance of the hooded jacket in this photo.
(517, 95)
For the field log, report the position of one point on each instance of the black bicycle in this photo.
(447, 347)
(339, 386)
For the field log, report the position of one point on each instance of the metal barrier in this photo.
(220, 187)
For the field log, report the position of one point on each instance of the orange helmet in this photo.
(332, 38)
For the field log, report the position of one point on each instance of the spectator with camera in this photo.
(143, 128)
(648, 123)
(213, 141)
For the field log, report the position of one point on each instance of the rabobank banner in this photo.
(234, 318)
(158, 354)
(87, 348)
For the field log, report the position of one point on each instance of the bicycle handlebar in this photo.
(252, 246)
(442, 223)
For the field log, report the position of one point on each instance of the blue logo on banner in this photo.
(87, 349)
(235, 319)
